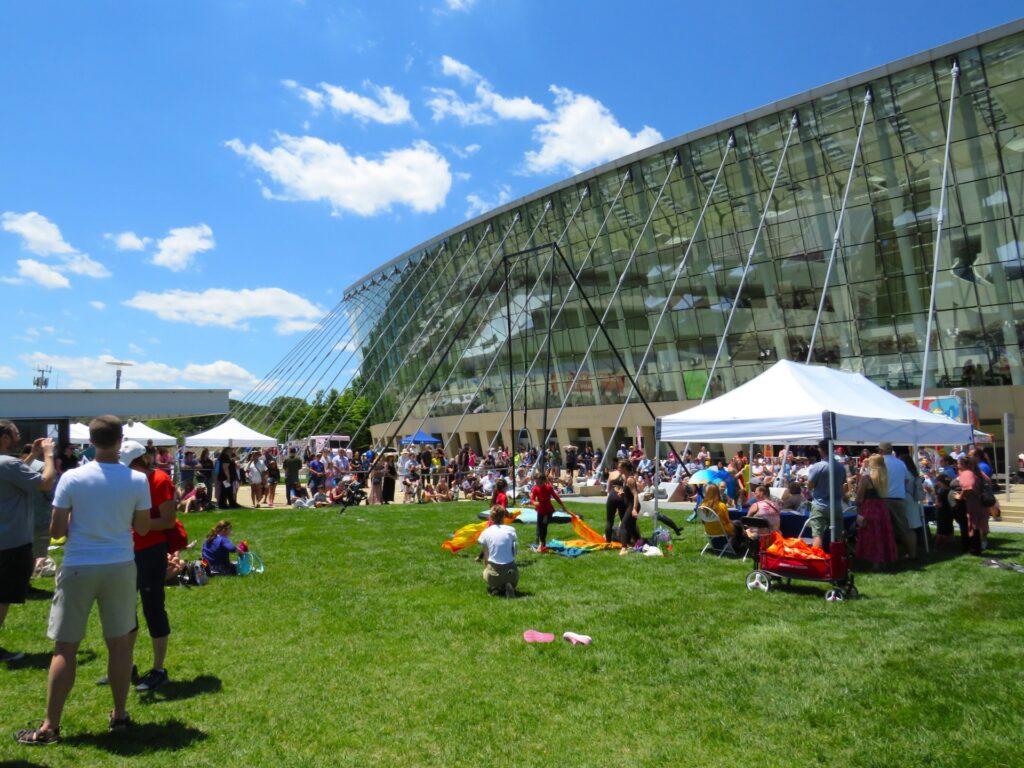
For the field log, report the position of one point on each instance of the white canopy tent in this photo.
(803, 404)
(231, 434)
(79, 434)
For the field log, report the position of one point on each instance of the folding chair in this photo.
(714, 529)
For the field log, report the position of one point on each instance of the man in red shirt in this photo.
(151, 558)
(540, 497)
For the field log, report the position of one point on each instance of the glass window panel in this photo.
(914, 87)
(1004, 59)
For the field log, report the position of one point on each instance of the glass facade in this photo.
(444, 306)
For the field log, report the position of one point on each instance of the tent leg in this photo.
(657, 467)
(920, 504)
(835, 515)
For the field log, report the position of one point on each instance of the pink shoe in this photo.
(575, 639)
(533, 636)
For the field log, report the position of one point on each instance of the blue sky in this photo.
(190, 185)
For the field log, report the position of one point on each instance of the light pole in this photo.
(119, 365)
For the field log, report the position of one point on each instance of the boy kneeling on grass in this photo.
(499, 543)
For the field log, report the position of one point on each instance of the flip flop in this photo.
(576, 639)
(533, 636)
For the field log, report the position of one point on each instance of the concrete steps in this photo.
(1012, 509)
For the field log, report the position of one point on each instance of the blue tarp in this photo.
(419, 438)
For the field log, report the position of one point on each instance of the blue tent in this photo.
(419, 438)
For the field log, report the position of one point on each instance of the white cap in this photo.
(130, 451)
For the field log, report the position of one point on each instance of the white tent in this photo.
(232, 433)
(802, 404)
(79, 434)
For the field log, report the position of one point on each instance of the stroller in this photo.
(354, 494)
(773, 568)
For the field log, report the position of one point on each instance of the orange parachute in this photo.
(468, 535)
(589, 535)
(794, 548)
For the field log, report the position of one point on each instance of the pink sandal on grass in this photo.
(533, 636)
(576, 639)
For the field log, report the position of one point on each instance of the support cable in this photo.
(314, 359)
(484, 275)
(421, 336)
(793, 123)
(939, 218)
(562, 305)
(267, 382)
(668, 298)
(484, 319)
(607, 311)
(868, 98)
(426, 269)
(394, 342)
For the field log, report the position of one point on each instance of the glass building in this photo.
(440, 314)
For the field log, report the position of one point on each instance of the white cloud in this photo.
(6, 372)
(309, 168)
(128, 241)
(42, 274)
(95, 372)
(177, 250)
(81, 264)
(294, 326)
(582, 133)
(489, 103)
(315, 99)
(40, 235)
(135, 349)
(460, 5)
(97, 305)
(478, 204)
(390, 108)
(227, 308)
(385, 106)
(471, 149)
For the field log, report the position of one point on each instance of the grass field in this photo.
(365, 644)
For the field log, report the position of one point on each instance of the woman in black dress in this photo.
(390, 476)
(227, 478)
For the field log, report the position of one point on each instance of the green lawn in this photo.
(365, 644)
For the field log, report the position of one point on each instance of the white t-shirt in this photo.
(103, 499)
(501, 542)
(255, 469)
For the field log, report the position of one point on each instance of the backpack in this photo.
(249, 562)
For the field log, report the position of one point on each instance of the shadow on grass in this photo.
(176, 690)
(33, 661)
(142, 738)
(34, 593)
(19, 764)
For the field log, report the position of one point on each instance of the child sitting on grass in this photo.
(217, 550)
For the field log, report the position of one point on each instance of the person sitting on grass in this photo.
(498, 546)
(217, 550)
(196, 500)
(428, 494)
(441, 492)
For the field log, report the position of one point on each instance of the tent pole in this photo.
(657, 466)
(920, 504)
(939, 218)
(868, 98)
(835, 515)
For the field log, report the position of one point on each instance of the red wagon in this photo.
(833, 569)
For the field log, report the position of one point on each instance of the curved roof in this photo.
(790, 102)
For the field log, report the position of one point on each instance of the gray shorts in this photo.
(78, 587)
(821, 519)
(898, 513)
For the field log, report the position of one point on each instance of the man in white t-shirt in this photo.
(95, 506)
(499, 544)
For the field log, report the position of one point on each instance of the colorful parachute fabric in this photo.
(797, 549)
(577, 547)
(590, 536)
(468, 535)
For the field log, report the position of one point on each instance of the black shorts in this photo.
(16, 566)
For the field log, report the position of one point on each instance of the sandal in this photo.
(120, 724)
(38, 737)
